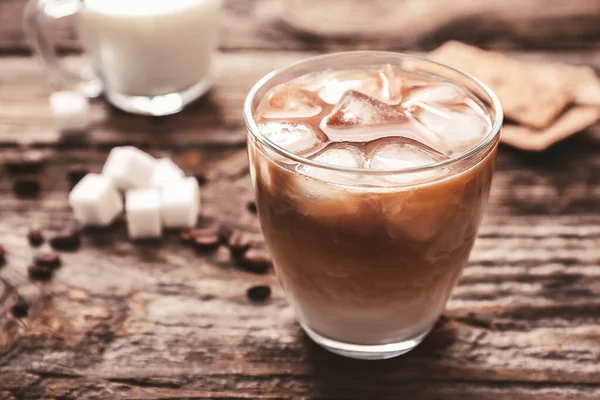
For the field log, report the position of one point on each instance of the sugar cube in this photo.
(180, 203)
(142, 210)
(70, 110)
(129, 167)
(165, 172)
(95, 201)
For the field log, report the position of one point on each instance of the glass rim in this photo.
(484, 144)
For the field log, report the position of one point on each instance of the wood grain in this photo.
(214, 120)
(147, 321)
(261, 25)
(141, 321)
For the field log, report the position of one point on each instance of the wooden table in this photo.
(158, 321)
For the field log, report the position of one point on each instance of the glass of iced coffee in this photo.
(371, 172)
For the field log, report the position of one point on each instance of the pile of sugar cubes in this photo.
(157, 194)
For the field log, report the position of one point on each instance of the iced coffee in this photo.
(371, 173)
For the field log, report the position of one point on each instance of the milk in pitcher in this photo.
(150, 47)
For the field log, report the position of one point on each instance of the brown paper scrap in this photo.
(581, 81)
(529, 95)
(572, 121)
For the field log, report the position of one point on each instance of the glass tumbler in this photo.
(367, 267)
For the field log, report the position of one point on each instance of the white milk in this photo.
(150, 47)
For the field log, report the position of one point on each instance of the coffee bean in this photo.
(203, 232)
(47, 259)
(35, 236)
(251, 206)
(186, 236)
(224, 234)
(2, 256)
(76, 173)
(259, 293)
(68, 239)
(206, 241)
(26, 187)
(20, 309)
(256, 261)
(30, 162)
(202, 238)
(201, 178)
(238, 244)
(39, 273)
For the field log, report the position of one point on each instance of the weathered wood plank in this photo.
(142, 321)
(259, 25)
(154, 321)
(65, 388)
(214, 120)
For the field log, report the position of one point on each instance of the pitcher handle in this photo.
(38, 15)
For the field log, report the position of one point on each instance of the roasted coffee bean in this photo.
(35, 236)
(224, 234)
(67, 239)
(39, 273)
(256, 261)
(47, 259)
(20, 309)
(201, 178)
(251, 206)
(238, 244)
(2, 256)
(259, 293)
(76, 173)
(206, 241)
(26, 187)
(187, 236)
(30, 162)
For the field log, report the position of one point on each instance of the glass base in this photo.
(366, 352)
(158, 106)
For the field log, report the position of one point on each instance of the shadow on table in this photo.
(114, 238)
(340, 377)
(203, 113)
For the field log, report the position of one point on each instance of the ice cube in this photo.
(395, 155)
(356, 108)
(290, 102)
(259, 168)
(323, 191)
(341, 155)
(420, 214)
(443, 93)
(392, 84)
(459, 129)
(360, 118)
(293, 137)
(331, 86)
